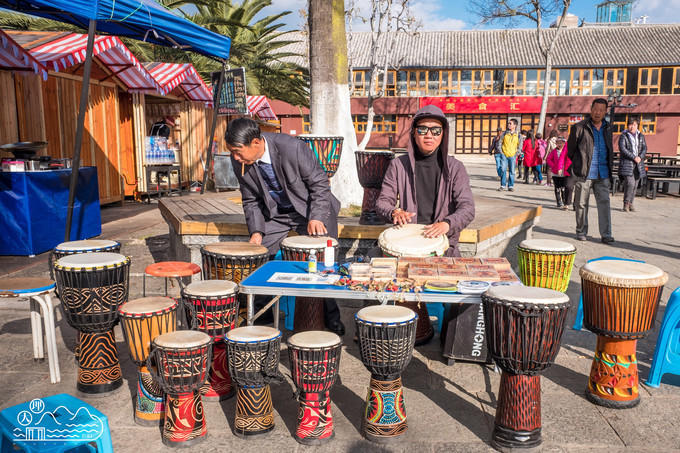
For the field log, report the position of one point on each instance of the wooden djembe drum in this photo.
(371, 168)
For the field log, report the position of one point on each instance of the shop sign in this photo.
(485, 104)
(232, 99)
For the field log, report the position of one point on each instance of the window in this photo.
(482, 83)
(615, 81)
(676, 81)
(359, 85)
(390, 86)
(597, 86)
(514, 83)
(649, 80)
(450, 83)
(532, 82)
(619, 123)
(402, 83)
(433, 78)
(306, 125)
(529, 122)
(382, 124)
(474, 132)
(646, 122)
(417, 83)
(552, 85)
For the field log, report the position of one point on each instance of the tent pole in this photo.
(80, 125)
(211, 139)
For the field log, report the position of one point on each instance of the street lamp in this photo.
(616, 101)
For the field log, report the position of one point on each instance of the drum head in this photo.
(88, 244)
(252, 334)
(307, 242)
(314, 339)
(378, 314)
(235, 249)
(627, 274)
(527, 295)
(547, 245)
(91, 260)
(182, 339)
(408, 240)
(210, 288)
(147, 305)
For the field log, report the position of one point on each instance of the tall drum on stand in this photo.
(386, 337)
(408, 240)
(327, 151)
(143, 320)
(314, 366)
(309, 311)
(211, 306)
(524, 328)
(92, 286)
(371, 168)
(620, 300)
(546, 263)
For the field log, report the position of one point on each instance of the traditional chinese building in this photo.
(483, 78)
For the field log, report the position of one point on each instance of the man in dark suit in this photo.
(283, 188)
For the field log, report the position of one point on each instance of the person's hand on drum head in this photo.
(401, 217)
(256, 238)
(316, 228)
(436, 229)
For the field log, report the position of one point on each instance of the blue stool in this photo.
(667, 352)
(54, 424)
(578, 322)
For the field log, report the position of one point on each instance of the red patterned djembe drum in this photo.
(371, 168)
(408, 240)
(386, 337)
(309, 311)
(179, 361)
(620, 299)
(326, 149)
(211, 306)
(524, 328)
(253, 356)
(143, 320)
(92, 286)
(314, 365)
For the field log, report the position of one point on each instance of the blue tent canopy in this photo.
(145, 20)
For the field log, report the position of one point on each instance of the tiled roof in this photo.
(593, 46)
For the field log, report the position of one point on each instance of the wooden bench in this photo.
(653, 185)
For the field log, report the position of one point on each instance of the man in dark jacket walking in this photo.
(633, 148)
(589, 148)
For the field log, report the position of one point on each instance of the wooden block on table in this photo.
(480, 268)
(452, 268)
(485, 276)
(467, 261)
(439, 260)
(498, 263)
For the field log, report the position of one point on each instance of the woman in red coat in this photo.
(532, 159)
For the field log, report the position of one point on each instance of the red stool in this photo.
(170, 269)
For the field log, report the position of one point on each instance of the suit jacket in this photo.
(301, 177)
(580, 146)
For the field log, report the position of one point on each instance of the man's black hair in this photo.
(599, 101)
(242, 131)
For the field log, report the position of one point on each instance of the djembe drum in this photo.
(179, 361)
(386, 338)
(326, 149)
(546, 263)
(232, 261)
(524, 328)
(620, 299)
(92, 286)
(408, 240)
(253, 356)
(143, 320)
(84, 246)
(371, 168)
(309, 311)
(314, 365)
(211, 306)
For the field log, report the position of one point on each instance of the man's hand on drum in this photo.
(436, 229)
(316, 228)
(401, 217)
(256, 238)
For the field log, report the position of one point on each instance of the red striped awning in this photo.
(171, 75)
(13, 56)
(259, 105)
(70, 50)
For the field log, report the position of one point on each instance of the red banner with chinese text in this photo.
(485, 104)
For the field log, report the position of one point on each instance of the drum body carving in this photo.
(179, 361)
(524, 328)
(546, 263)
(314, 364)
(92, 286)
(211, 306)
(408, 240)
(371, 169)
(386, 338)
(309, 311)
(620, 300)
(143, 320)
(327, 151)
(253, 355)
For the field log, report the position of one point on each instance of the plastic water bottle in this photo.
(329, 254)
(311, 265)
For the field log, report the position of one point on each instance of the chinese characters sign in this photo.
(485, 104)
(233, 97)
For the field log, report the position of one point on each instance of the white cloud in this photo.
(429, 15)
(658, 11)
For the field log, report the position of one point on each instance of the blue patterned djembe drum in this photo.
(327, 151)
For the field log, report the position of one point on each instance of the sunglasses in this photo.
(436, 130)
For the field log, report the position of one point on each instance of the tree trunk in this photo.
(546, 95)
(330, 102)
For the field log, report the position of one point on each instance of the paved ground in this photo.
(450, 409)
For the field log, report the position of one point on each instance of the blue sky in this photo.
(457, 15)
